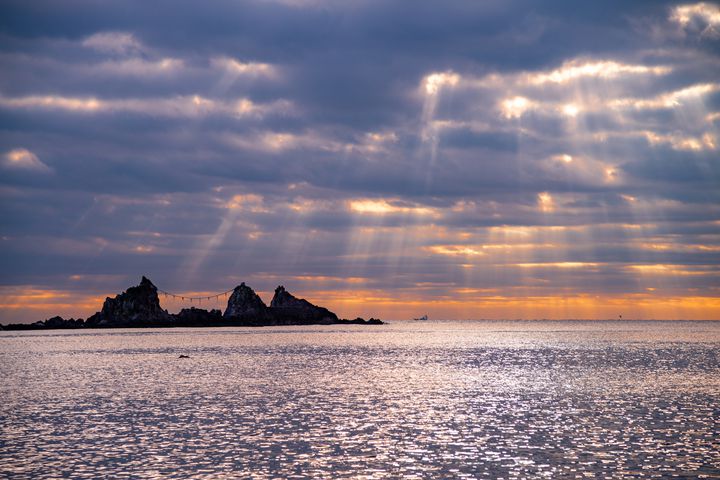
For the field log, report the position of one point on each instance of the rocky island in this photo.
(139, 306)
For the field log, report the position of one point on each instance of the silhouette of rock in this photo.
(24, 326)
(55, 322)
(245, 305)
(197, 317)
(184, 356)
(59, 322)
(356, 321)
(288, 309)
(138, 306)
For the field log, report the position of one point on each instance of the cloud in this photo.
(606, 69)
(184, 106)
(490, 149)
(236, 67)
(516, 107)
(138, 67)
(676, 98)
(24, 159)
(383, 207)
(702, 17)
(435, 81)
(114, 42)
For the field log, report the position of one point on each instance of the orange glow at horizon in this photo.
(475, 304)
(461, 303)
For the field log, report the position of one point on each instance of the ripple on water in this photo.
(446, 402)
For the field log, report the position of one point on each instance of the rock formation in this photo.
(244, 305)
(288, 309)
(197, 317)
(59, 322)
(138, 306)
(54, 322)
(361, 321)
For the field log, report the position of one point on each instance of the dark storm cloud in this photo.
(314, 138)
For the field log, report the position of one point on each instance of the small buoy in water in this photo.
(184, 356)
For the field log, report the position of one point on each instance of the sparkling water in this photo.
(493, 399)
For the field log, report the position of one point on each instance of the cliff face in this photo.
(288, 309)
(136, 307)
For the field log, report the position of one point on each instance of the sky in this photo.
(460, 159)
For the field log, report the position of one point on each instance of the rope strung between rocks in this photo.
(199, 299)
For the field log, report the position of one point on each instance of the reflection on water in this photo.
(437, 400)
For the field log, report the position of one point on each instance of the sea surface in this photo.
(489, 399)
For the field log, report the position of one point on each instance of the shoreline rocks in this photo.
(139, 307)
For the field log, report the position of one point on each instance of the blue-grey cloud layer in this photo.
(396, 142)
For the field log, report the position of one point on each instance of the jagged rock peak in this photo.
(285, 299)
(288, 306)
(137, 305)
(146, 289)
(244, 302)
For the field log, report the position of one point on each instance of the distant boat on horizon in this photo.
(421, 319)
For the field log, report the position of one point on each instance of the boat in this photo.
(421, 319)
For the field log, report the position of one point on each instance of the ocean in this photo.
(434, 399)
